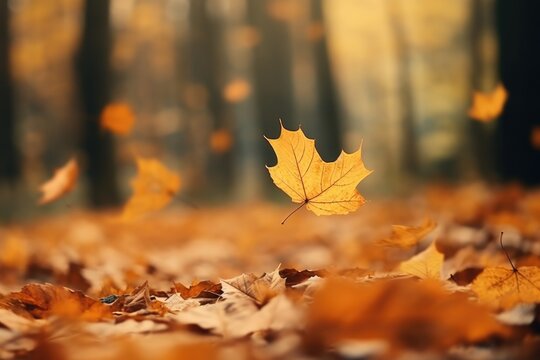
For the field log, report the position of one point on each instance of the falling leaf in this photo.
(117, 118)
(43, 300)
(488, 106)
(324, 188)
(236, 90)
(408, 236)
(153, 188)
(404, 312)
(221, 141)
(425, 265)
(62, 182)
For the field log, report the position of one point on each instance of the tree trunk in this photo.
(327, 102)
(273, 73)
(9, 157)
(92, 63)
(519, 39)
(409, 141)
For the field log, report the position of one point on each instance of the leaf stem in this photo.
(295, 210)
(506, 253)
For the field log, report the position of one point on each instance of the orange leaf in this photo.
(408, 236)
(62, 182)
(221, 141)
(153, 188)
(324, 188)
(44, 300)
(404, 312)
(505, 288)
(117, 118)
(237, 90)
(488, 106)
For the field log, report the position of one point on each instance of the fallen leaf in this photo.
(406, 313)
(43, 300)
(258, 289)
(324, 188)
(221, 141)
(117, 118)
(202, 289)
(153, 188)
(62, 182)
(505, 288)
(425, 265)
(488, 106)
(408, 236)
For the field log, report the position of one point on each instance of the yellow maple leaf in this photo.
(488, 106)
(504, 288)
(153, 188)
(62, 182)
(425, 265)
(324, 188)
(408, 236)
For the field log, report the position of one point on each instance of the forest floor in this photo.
(233, 283)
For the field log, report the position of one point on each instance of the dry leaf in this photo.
(505, 288)
(488, 106)
(258, 289)
(202, 289)
(405, 312)
(324, 188)
(44, 300)
(221, 141)
(153, 188)
(117, 118)
(425, 265)
(62, 182)
(408, 236)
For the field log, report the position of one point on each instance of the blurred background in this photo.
(205, 79)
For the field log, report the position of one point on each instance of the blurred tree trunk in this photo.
(327, 102)
(480, 147)
(204, 77)
(92, 63)
(409, 141)
(272, 66)
(519, 39)
(9, 159)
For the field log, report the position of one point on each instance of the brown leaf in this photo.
(44, 300)
(202, 289)
(62, 182)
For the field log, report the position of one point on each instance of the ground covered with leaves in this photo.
(425, 277)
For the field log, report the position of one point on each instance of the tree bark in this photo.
(9, 157)
(92, 64)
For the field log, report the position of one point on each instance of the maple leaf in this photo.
(324, 188)
(408, 236)
(62, 182)
(505, 288)
(153, 188)
(258, 289)
(425, 265)
(404, 312)
(488, 106)
(117, 118)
